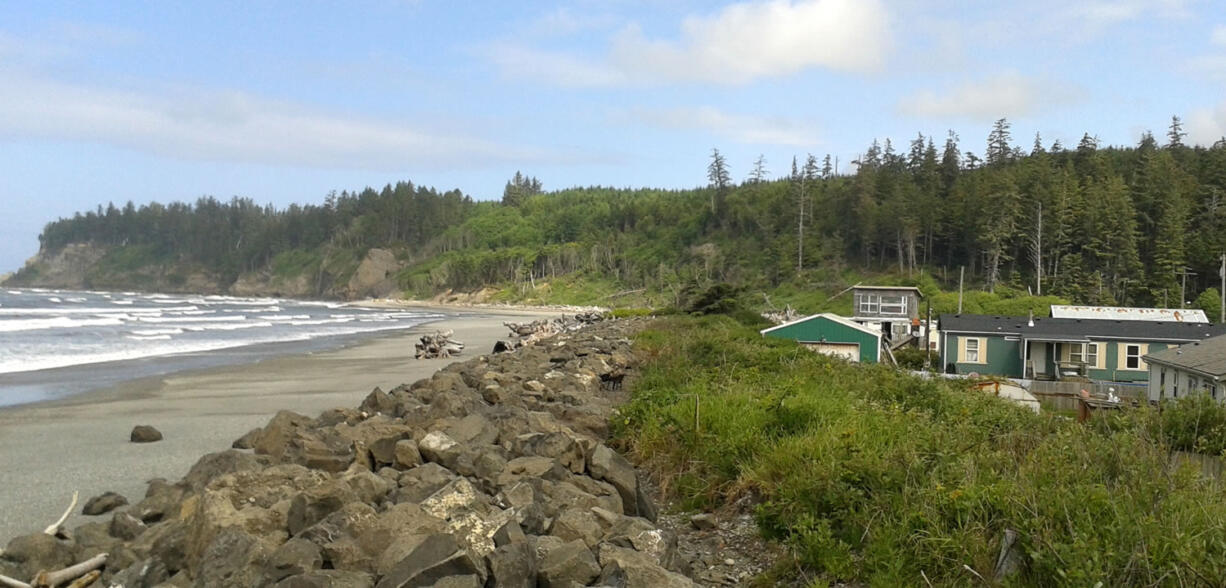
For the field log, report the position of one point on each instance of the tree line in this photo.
(1098, 225)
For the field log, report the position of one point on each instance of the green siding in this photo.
(1113, 373)
(821, 329)
(1004, 358)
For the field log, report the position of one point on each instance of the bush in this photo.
(874, 477)
(1195, 423)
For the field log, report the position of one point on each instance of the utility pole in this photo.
(1183, 289)
(1221, 317)
(961, 274)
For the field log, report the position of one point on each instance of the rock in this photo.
(577, 524)
(626, 568)
(512, 565)
(293, 558)
(644, 505)
(312, 505)
(607, 465)
(378, 401)
(148, 572)
(145, 434)
(161, 499)
(125, 526)
(214, 465)
(275, 438)
(165, 542)
(38, 551)
(103, 503)
(469, 581)
(509, 532)
(704, 521)
(469, 515)
(233, 558)
(438, 447)
(420, 482)
(571, 563)
(557, 445)
(384, 450)
(405, 454)
(328, 579)
(248, 440)
(433, 558)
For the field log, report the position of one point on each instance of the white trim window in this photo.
(894, 304)
(1092, 354)
(869, 304)
(972, 350)
(1132, 356)
(1076, 352)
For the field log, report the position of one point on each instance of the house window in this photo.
(894, 305)
(1077, 352)
(1092, 354)
(972, 350)
(869, 303)
(1175, 383)
(1132, 357)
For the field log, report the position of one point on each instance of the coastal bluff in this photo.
(492, 472)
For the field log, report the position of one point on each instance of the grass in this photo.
(875, 477)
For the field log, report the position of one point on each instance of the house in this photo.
(1196, 367)
(1120, 313)
(1060, 348)
(832, 335)
(892, 311)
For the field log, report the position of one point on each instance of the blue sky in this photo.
(285, 101)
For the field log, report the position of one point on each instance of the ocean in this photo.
(58, 343)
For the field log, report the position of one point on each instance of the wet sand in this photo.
(48, 450)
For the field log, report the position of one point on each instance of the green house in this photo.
(1060, 348)
(833, 335)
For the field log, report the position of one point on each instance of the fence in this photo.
(1211, 466)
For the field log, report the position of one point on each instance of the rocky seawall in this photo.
(493, 472)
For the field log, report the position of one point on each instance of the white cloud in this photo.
(1206, 125)
(1008, 95)
(741, 43)
(1218, 36)
(741, 128)
(227, 126)
(1102, 13)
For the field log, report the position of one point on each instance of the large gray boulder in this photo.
(566, 565)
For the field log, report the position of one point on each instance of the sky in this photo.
(285, 101)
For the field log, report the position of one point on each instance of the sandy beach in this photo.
(48, 450)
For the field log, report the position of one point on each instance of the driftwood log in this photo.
(81, 575)
(438, 345)
(778, 317)
(525, 334)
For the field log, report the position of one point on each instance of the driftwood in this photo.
(525, 334)
(54, 528)
(438, 345)
(81, 575)
(787, 315)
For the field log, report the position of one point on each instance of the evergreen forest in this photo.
(1086, 223)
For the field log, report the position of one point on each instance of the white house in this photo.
(1192, 368)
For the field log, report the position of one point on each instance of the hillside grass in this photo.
(875, 477)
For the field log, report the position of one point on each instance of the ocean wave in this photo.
(228, 326)
(60, 322)
(192, 319)
(155, 332)
(322, 321)
(100, 310)
(124, 301)
(55, 299)
(284, 317)
(149, 337)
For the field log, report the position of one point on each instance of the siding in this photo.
(1004, 358)
(819, 328)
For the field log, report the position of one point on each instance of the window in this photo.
(869, 303)
(1175, 383)
(894, 305)
(972, 350)
(1076, 352)
(1092, 354)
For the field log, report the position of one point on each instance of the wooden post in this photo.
(961, 274)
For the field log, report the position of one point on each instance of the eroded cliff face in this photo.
(67, 268)
(375, 276)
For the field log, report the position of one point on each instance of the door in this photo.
(848, 351)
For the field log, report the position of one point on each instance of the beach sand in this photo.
(48, 450)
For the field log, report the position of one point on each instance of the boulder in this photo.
(704, 521)
(125, 526)
(103, 503)
(214, 465)
(39, 551)
(377, 402)
(578, 524)
(148, 572)
(558, 445)
(161, 499)
(626, 568)
(512, 565)
(438, 447)
(313, 504)
(144, 434)
(275, 438)
(405, 454)
(609, 466)
(571, 563)
(469, 515)
(248, 440)
(420, 482)
(429, 560)
(233, 558)
(293, 558)
(328, 579)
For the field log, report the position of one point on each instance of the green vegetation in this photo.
(872, 476)
(1101, 226)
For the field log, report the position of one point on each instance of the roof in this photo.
(917, 290)
(1207, 356)
(1184, 315)
(828, 316)
(1069, 329)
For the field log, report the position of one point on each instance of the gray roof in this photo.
(1079, 329)
(1207, 357)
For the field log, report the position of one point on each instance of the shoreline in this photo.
(49, 449)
